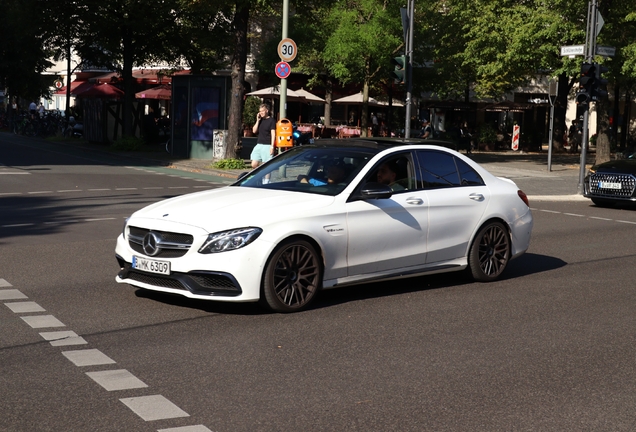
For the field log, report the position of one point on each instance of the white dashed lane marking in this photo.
(627, 222)
(11, 294)
(197, 428)
(154, 407)
(119, 379)
(42, 321)
(89, 357)
(149, 408)
(25, 307)
(63, 338)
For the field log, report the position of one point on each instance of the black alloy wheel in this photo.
(490, 252)
(293, 276)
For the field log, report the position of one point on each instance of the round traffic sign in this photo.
(282, 69)
(287, 50)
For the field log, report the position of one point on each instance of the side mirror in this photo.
(373, 190)
(243, 174)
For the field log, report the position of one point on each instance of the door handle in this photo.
(415, 201)
(476, 197)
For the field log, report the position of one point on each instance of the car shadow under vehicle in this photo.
(525, 265)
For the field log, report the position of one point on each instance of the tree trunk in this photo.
(560, 108)
(602, 129)
(239, 60)
(615, 111)
(127, 129)
(328, 99)
(364, 123)
(627, 114)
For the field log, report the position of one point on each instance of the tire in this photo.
(490, 252)
(292, 278)
(600, 202)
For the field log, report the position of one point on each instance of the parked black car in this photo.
(612, 182)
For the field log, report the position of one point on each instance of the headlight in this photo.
(230, 240)
(123, 231)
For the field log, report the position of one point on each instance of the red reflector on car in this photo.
(523, 197)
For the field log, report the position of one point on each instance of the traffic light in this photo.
(599, 85)
(399, 74)
(586, 80)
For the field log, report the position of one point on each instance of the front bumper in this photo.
(593, 182)
(233, 276)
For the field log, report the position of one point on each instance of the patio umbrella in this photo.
(310, 97)
(508, 106)
(102, 91)
(394, 102)
(448, 105)
(163, 91)
(274, 93)
(356, 99)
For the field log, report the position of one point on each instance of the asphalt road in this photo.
(550, 347)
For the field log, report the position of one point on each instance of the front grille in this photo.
(171, 245)
(157, 281)
(627, 181)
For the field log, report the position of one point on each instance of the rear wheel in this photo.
(490, 252)
(292, 277)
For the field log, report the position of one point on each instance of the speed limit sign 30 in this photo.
(287, 50)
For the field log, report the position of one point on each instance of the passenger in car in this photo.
(336, 173)
(388, 175)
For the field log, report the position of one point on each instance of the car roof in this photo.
(380, 143)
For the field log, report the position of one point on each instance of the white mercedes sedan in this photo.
(321, 216)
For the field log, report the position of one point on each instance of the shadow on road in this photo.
(525, 265)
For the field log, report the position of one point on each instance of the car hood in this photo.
(233, 206)
(620, 166)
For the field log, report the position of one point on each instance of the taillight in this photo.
(523, 197)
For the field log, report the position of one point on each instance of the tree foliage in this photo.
(23, 53)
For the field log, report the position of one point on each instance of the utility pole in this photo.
(283, 81)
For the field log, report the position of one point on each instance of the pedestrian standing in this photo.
(265, 130)
(375, 126)
(427, 131)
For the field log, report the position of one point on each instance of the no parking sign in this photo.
(282, 70)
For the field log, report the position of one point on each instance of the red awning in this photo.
(77, 87)
(141, 76)
(102, 91)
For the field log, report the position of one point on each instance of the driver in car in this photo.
(388, 173)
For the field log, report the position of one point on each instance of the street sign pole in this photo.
(283, 82)
(590, 43)
(553, 92)
(409, 71)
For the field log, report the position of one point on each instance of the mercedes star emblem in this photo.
(150, 244)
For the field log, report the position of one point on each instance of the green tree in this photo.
(23, 54)
(363, 36)
(123, 34)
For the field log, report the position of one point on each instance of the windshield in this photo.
(319, 170)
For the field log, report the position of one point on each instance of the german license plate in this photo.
(151, 266)
(609, 185)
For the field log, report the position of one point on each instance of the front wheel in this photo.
(490, 252)
(600, 202)
(292, 276)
